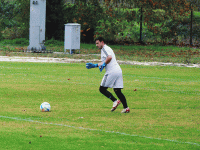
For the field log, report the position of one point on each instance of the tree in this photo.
(153, 13)
(7, 13)
(172, 10)
(86, 14)
(55, 19)
(13, 22)
(193, 4)
(23, 16)
(164, 18)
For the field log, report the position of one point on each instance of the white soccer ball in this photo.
(45, 107)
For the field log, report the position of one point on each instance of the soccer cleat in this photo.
(125, 110)
(115, 104)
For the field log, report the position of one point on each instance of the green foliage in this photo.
(197, 14)
(17, 41)
(14, 32)
(117, 24)
(23, 17)
(14, 22)
(117, 21)
(8, 11)
(1, 36)
(53, 42)
(86, 14)
(117, 31)
(118, 27)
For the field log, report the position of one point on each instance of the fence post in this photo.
(141, 25)
(191, 27)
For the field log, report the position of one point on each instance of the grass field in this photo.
(149, 53)
(164, 103)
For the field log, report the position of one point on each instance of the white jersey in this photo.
(113, 66)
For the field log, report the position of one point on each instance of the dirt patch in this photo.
(67, 60)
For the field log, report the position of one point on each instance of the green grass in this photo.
(196, 14)
(149, 53)
(164, 108)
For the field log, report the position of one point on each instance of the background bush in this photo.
(19, 42)
(118, 24)
(13, 32)
(86, 14)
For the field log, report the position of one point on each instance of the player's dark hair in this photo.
(100, 39)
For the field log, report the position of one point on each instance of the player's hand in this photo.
(91, 65)
(102, 66)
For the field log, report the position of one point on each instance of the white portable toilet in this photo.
(72, 37)
(37, 25)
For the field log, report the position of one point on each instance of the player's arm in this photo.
(107, 61)
(102, 65)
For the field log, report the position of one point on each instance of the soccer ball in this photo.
(45, 107)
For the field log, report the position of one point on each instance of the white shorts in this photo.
(113, 80)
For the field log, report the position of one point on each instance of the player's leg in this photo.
(117, 89)
(122, 98)
(105, 92)
(108, 81)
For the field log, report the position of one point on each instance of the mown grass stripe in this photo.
(121, 133)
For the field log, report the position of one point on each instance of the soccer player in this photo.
(113, 76)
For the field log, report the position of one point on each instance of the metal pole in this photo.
(191, 27)
(141, 26)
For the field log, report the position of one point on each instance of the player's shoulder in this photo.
(106, 47)
(106, 50)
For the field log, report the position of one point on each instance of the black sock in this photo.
(105, 92)
(121, 96)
